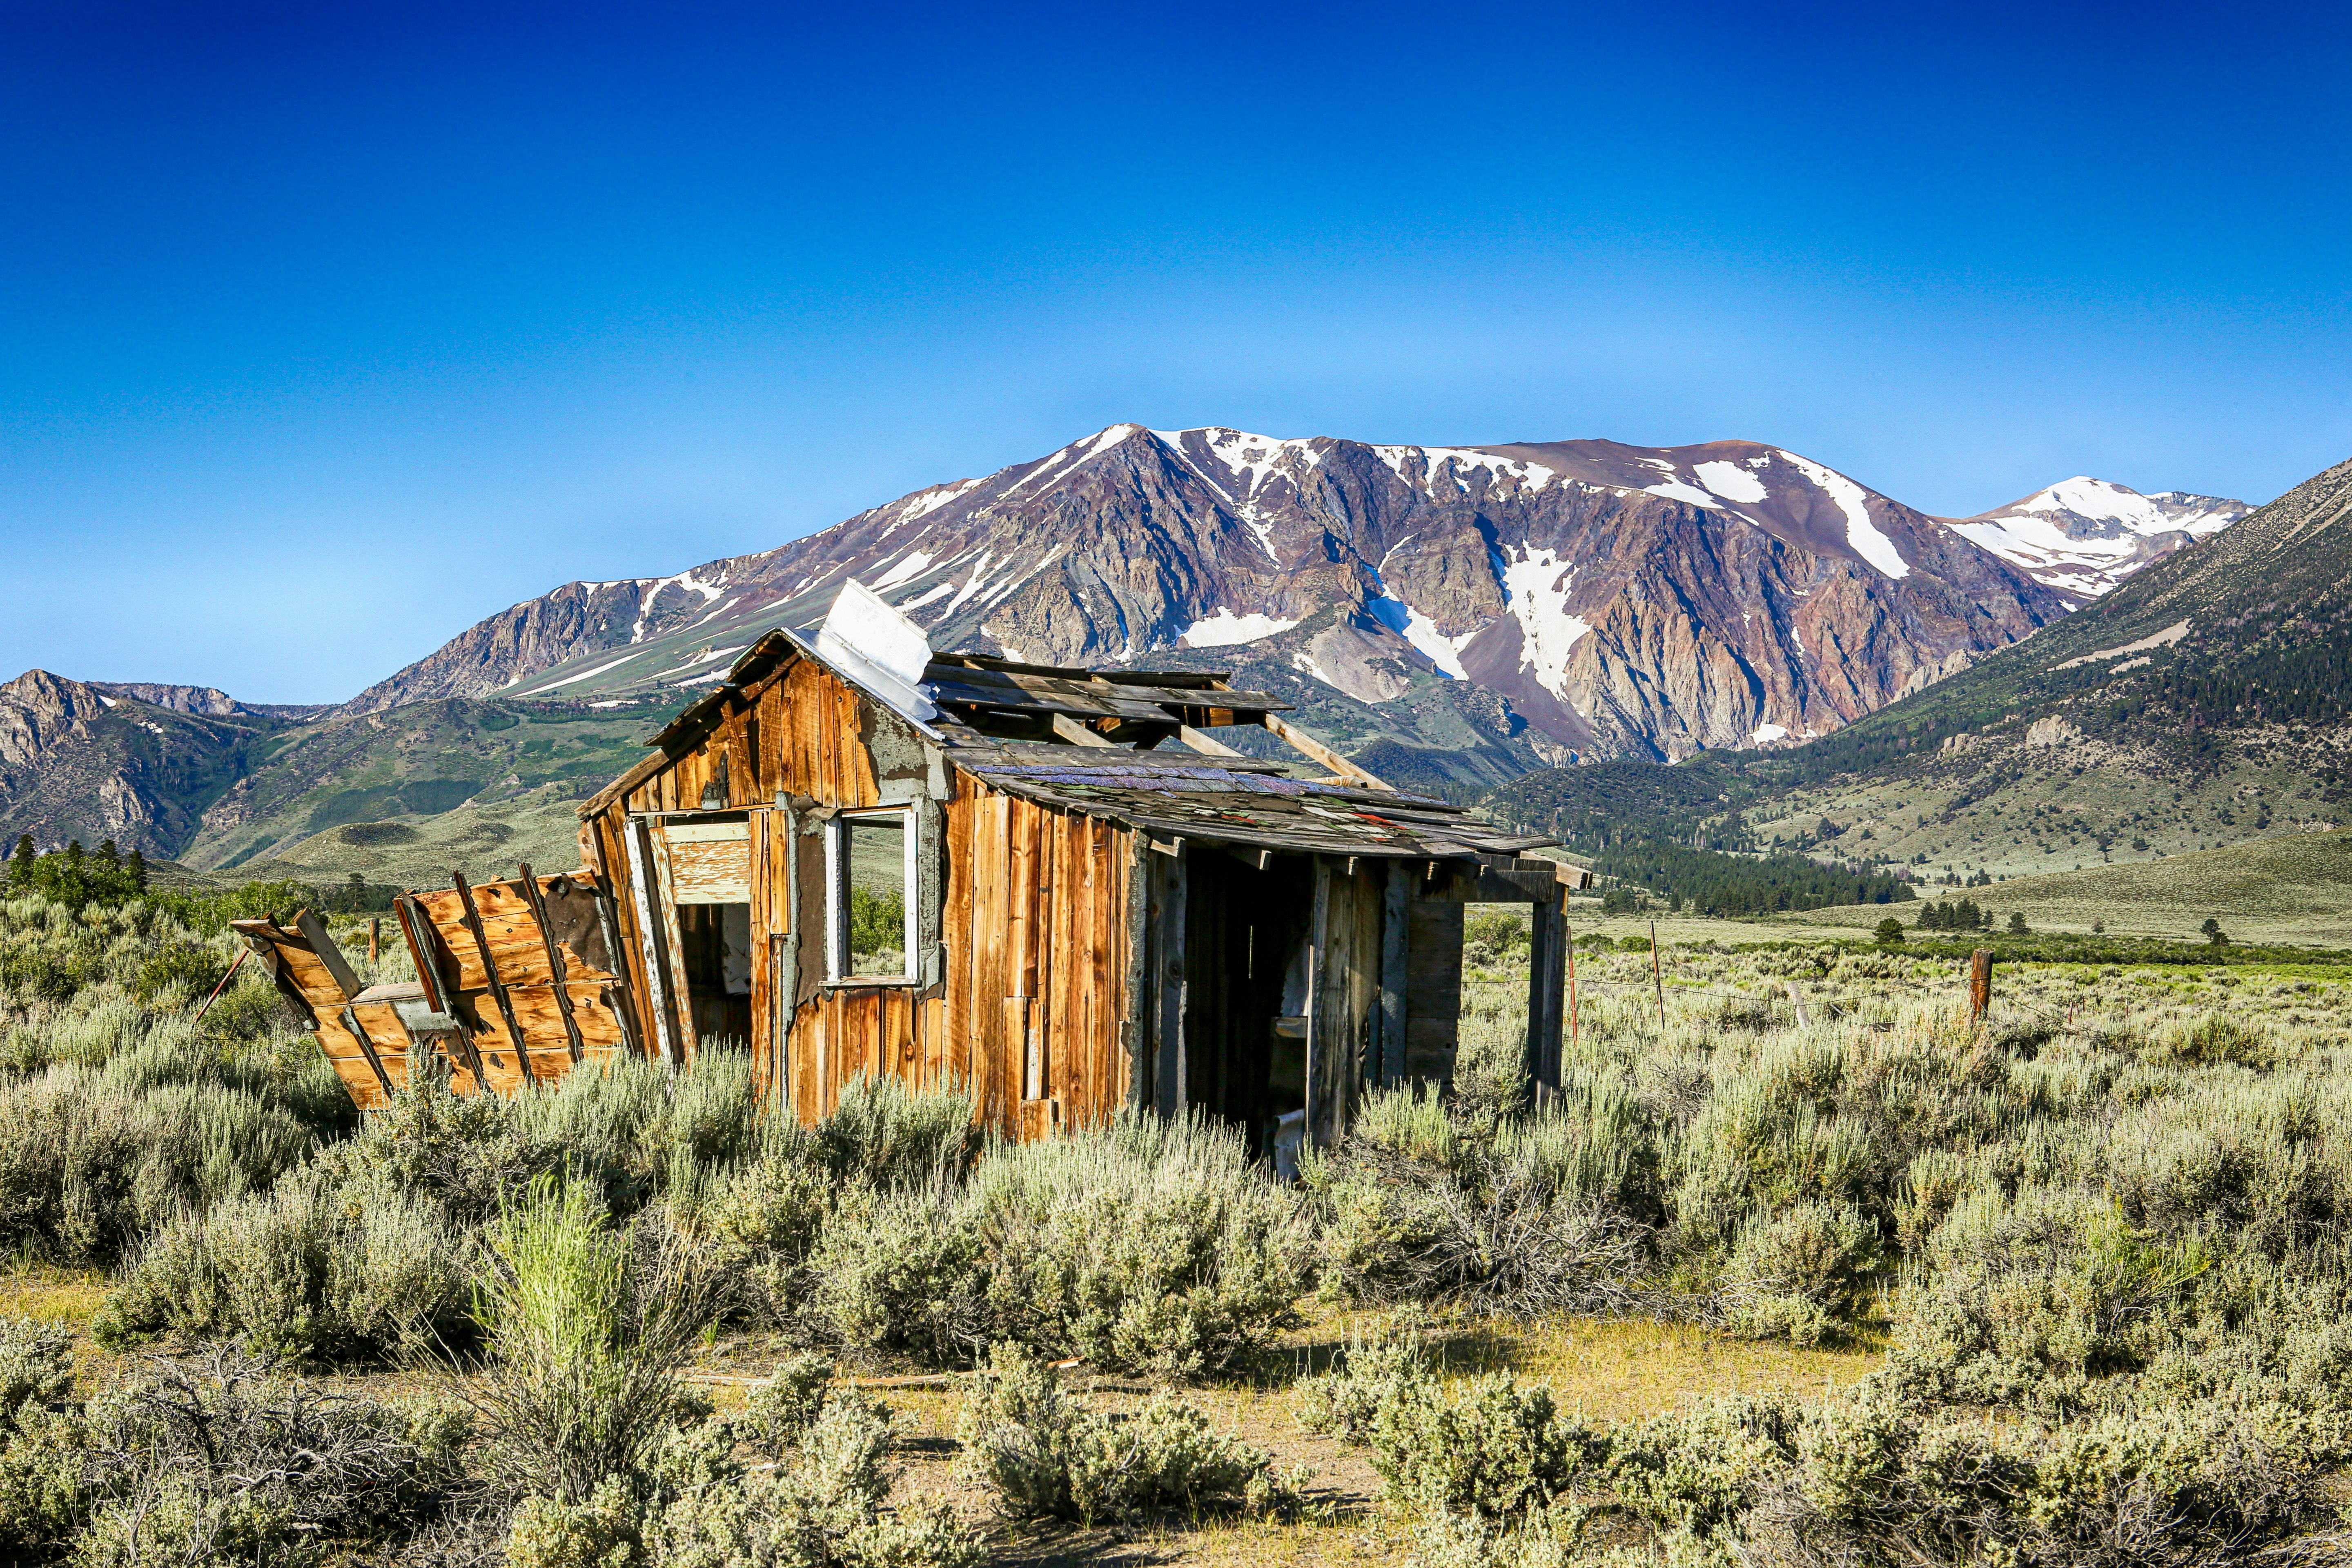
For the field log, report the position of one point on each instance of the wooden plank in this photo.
(1021, 917)
(955, 928)
(1106, 914)
(1320, 1116)
(1166, 1005)
(1134, 1021)
(1203, 742)
(353, 1027)
(628, 1010)
(1078, 734)
(531, 890)
(498, 987)
(707, 870)
(428, 950)
(381, 1025)
(674, 951)
(1064, 964)
(637, 778)
(314, 931)
(1396, 895)
(1546, 978)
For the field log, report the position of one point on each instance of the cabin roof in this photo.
(1210, 798)
(1175, 794)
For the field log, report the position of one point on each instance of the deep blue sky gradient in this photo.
(322, 336)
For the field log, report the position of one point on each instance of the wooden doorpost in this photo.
(1396, 914)
(1322, 1116)
(1546, 933)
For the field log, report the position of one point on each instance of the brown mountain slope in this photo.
(1617, 600)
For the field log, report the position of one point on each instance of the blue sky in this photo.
(322, 336)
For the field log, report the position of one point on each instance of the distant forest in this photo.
(1676, 833)
(1710, 882)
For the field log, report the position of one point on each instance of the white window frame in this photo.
(836, 896)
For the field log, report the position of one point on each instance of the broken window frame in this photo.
(836, 896)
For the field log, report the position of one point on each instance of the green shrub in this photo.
(1800, 1272)
(1040, 1453)
(1144, 1245)
(88, 1163)
(693, 1506)
(1487, 1446)
(2209, 1039)
(221, 1459)
(902, 1271)
(2037, 1298)
(313, 1270)
(778, 1412)
(1509, 1214)
(1693, 1472)
(882, 1133)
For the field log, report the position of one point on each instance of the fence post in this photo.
(375, 936)
(1568, 937)
(1797, 1000)
(1657, 974)
(1980, 984)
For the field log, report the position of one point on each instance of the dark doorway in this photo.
(1246, 930)
(715, 941)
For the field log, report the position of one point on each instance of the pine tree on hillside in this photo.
(137, 867)
(20, 865)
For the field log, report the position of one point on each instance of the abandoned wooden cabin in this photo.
(1053, 886)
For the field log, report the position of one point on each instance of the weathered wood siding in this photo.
(1347, 994)
(1025, 1003)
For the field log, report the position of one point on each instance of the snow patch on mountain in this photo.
(1224, 629)
(1730, 480)
(1861, 532)
(1401, 460)
(1418, 629)
(910, 567)
(654, 585)
(1536, 588)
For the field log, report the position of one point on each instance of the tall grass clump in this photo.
(586, 1325)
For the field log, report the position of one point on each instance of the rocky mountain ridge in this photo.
(1454, 617)
(1618, 600)
(77, 762)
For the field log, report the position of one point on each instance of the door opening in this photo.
(1247, 932)
(716, 939)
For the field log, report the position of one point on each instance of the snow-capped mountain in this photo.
(2082, 536)
(1461, 612)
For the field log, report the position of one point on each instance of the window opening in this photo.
(872, 881)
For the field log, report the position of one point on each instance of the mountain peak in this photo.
(1484, 607)
(2084, 535)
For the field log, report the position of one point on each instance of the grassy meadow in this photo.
(2065, 1287)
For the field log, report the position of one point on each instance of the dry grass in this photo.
(1608, 1370)
(52, 1294)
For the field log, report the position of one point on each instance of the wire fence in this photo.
(2010, 1011)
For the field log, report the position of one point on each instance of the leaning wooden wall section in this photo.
(1028, 1004)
